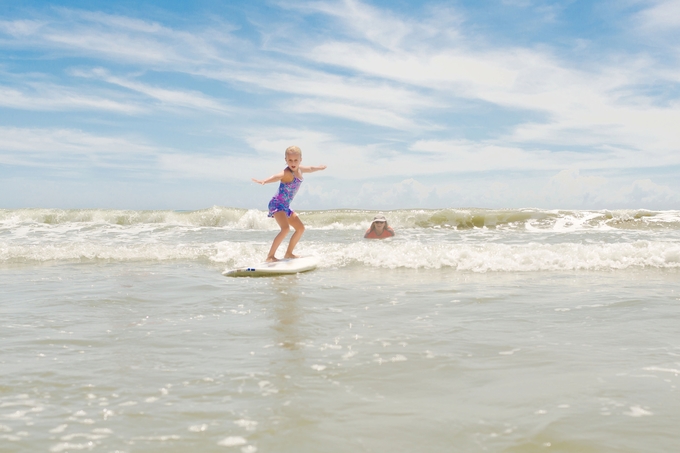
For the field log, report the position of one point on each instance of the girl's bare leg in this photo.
(282, 219)
(296, 223)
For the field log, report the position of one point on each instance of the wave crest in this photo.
(453, 218)
(490, 257)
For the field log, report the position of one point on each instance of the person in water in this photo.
(379, 229)
(279, 206)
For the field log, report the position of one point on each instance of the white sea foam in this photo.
(475, 257)
(506, 257)
(452, 218)
(211, 217)
(232, 441)
(465, 240)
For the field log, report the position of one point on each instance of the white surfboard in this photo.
(287, 266)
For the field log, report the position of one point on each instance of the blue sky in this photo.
(497, 104)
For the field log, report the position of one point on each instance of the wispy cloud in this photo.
(178, 98)
(219, 56)
(105, 36)
(599, 105)
(295, 80)
(361, 20)
(364, 114)
(663, 15)
(374, 93)
(21, 28)
(52, 97)
(41, 147)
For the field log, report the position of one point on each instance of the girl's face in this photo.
(293, 161)
(379, 226)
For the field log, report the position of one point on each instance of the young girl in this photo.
(279, 206)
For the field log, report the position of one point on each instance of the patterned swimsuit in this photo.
(281, 201)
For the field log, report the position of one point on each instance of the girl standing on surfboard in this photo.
(279, 206)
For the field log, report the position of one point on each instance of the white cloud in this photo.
(70, 148)
(362, 20)
(406, 79)
(367, 115)
(193, 166)
(325, 87)
(443, 69)
(663, 15)
(313, 193)
(115, 21)
(46, 96)
(117, 38)
(646, 193)
(466, 155)
(580, 108)
(569, 188)
(275, 141)
(116, 46)
(175, 98)
(410, 189)
(20, 28)
(405, 193)
(344, 160)
(600, 106)
(265, 157)
(217, 55)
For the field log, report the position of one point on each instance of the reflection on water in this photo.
(288, 314)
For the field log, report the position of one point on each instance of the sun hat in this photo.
(379, 218)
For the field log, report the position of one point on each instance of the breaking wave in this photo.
(489, 257)
(251, 219)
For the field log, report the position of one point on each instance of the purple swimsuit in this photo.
(281, 201)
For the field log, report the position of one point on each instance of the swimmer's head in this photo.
(380, 220)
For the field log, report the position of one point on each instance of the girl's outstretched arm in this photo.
(272, 178)
(312, 169)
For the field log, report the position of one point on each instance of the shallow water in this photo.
(377, 350)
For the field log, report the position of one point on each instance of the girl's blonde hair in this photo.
(293, 150)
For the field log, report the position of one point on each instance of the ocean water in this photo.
(471, 330)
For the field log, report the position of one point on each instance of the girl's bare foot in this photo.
(271, 259)
(290, 256)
